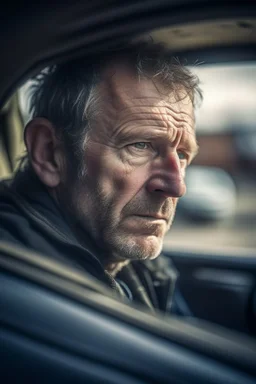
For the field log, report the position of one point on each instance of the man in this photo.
(107, 149)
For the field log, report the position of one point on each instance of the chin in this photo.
(138, 247)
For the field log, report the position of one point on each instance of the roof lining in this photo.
(50, 37)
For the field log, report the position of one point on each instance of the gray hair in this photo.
(67, 95)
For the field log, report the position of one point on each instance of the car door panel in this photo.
(50, 331)
(219, 288)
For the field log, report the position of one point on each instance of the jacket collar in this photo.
(29, 187)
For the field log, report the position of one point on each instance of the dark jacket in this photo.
(29, 217)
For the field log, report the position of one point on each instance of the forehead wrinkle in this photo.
(178, 113)
(168, 134)
(154, 119)
(159, 110)
(129, 124)
(176, 132)
(131, 110)
(145, 101)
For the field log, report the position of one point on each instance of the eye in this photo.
(141, 145)
(182, 155)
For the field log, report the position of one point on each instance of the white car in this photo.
(211, 194)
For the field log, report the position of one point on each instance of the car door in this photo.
(57, 326)
(218, 287)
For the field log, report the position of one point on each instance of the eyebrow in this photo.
(195, 150)
(192, 145)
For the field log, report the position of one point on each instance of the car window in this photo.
(219, 207)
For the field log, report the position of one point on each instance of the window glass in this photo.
(219, 208)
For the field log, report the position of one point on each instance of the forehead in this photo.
(126, 91)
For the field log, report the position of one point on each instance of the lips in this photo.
(153, 217)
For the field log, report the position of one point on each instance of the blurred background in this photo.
(219, 209)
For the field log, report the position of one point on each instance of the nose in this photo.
(167, 179)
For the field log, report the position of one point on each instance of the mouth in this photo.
(153, 217)
(147, 225)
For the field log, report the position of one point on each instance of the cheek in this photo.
(127, 185)
(116, 181)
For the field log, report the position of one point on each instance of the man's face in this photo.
(135, 160)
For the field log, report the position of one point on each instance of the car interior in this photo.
(58, 324)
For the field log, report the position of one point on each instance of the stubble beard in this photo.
(134, 246)
(95, 213)
(115, 239)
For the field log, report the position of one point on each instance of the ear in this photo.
(44, 151)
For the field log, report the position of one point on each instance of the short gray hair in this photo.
(66, 94)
